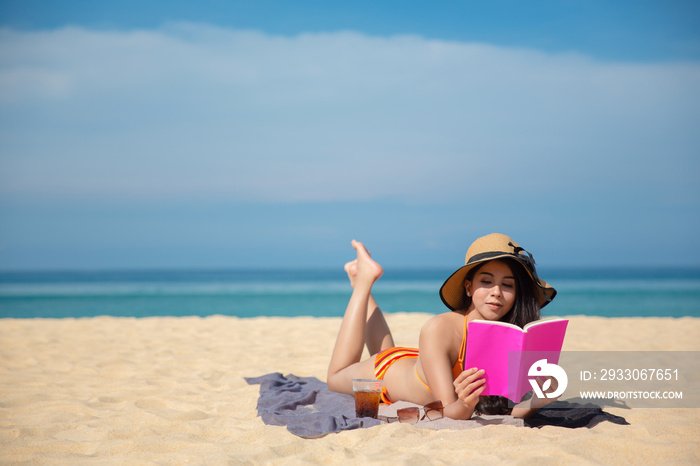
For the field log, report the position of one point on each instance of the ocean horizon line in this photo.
(628, 291)
(339, 269)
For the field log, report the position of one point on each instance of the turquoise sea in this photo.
(619, 292)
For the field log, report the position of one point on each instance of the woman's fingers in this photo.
(547, 384)
(470, 395)
(470, 388)
(469, 385)
(470, 374)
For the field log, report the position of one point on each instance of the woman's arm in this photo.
(527, 408)
(459, 397)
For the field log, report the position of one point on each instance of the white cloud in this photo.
(198, 110)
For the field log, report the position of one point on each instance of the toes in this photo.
(360, 248)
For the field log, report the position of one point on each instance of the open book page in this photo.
(547, 335)
(542, 341)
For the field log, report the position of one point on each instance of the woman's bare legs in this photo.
(358, 327)
(377, 334)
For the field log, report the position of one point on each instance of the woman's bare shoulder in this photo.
(441, 323)
(442, 334)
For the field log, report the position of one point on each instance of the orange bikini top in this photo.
(459, 365)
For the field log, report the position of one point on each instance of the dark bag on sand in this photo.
(572, 416)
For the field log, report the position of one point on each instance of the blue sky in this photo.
(269, 134)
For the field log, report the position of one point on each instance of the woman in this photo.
(497, 282)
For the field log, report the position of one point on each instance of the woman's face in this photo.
(492, 291)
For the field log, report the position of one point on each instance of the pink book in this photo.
(506, 352)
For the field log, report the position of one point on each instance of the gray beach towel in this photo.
(305, 406)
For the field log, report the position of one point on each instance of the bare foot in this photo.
(367, 270)
(351, 270)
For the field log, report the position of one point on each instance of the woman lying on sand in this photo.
(498, 282)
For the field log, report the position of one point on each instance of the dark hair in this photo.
(525, 309)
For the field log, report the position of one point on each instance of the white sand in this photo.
(171, 390)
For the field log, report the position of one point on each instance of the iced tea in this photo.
(367, 403)
(367, 394)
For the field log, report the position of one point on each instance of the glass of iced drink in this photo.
(367, 393)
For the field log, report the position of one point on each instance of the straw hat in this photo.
(484, 249)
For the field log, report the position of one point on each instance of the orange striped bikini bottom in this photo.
(386, 358)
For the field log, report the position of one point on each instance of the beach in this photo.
(171, 390)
